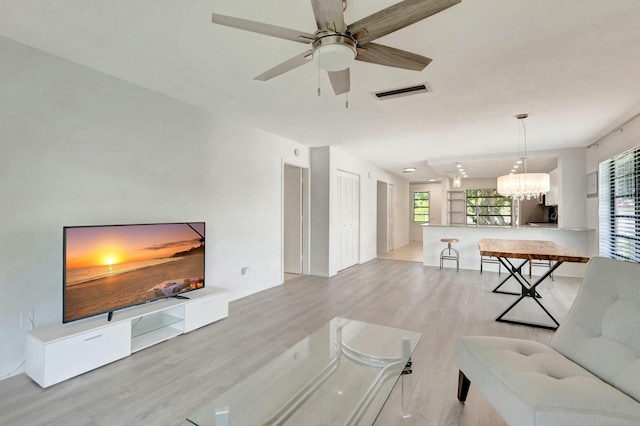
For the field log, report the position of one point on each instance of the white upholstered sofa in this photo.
(590, 372)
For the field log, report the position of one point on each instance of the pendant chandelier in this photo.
(524, 185)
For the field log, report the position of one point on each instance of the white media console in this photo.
(59, 352)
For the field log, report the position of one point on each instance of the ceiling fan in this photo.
(336, 45)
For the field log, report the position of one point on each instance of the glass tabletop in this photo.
(342, 373)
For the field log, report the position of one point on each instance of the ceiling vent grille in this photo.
(404, 91)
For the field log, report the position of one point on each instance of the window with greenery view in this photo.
(421, 207)
(487, 207)
(620, 206)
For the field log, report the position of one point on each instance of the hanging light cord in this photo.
(524, 132)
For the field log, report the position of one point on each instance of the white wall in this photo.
(435, 207)
(383, 211)
(325, 162)
(79, 148)
(319, 211)
(479, 183)
(572, 188)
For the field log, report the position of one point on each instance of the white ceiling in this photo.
(573, 65)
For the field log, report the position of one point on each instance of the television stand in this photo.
(59, 352)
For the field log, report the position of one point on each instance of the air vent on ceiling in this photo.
(404, 91)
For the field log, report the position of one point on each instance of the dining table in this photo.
(509, 252)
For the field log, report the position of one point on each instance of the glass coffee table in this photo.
(341, 374)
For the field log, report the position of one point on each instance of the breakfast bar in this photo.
(583, 240)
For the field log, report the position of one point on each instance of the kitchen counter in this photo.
(572, 238)
(534, 226)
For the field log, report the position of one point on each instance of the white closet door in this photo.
(348, 208)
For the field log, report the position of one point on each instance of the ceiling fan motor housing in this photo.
(334, 51)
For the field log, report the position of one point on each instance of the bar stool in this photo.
(543, 263)
(449, 255)
(491, 259)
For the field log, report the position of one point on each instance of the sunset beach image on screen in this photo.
(111, 267)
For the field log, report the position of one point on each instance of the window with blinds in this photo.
(620, 206)
(487, 207)
(421, 207)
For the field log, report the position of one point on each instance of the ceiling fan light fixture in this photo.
(334, 52)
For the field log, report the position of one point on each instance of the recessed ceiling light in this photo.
(432, 180)
(458, 165)
(519, 162)
(409, 170)
(516, 166)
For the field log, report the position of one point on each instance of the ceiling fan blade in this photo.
(329, 15)
(261, 28)
(390, 56)
(288, 65)
(395, 17)
(340, 81)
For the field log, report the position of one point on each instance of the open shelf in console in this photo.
(153, 328)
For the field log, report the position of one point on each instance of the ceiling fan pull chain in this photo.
(318, 78)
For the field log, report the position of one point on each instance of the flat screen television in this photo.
(111, 267)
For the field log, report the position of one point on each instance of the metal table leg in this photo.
(511, 270)
(516, 273)
(531, 292)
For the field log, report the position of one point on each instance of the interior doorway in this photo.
(294, 221)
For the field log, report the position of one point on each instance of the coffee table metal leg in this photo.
(406, 391)
(407, 395)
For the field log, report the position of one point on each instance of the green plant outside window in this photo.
(487, 207)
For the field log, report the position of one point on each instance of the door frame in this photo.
(305, 219)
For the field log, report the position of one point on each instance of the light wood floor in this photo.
(290, 276)
(161, 385)
(411, 252)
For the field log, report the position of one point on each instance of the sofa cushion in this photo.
(529, 383)
(602, 329)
